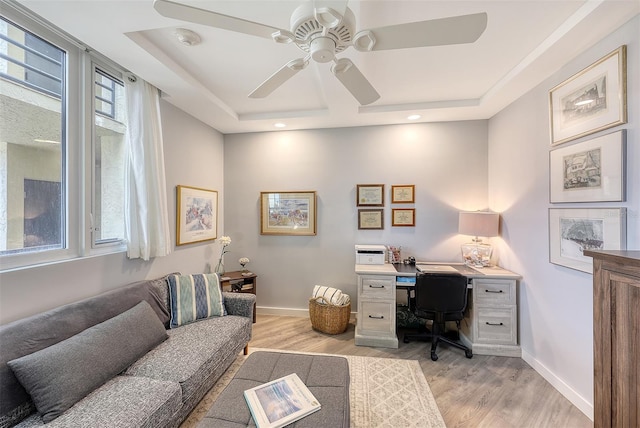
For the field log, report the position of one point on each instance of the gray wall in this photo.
(447, 162)
(194, 157)
(556, 303)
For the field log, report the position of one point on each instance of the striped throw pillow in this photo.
(194, 297)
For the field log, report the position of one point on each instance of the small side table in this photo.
(236, 282)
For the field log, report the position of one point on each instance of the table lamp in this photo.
(478, 223)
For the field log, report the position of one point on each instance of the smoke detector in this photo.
(187, 37)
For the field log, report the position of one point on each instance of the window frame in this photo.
(78, 148)
(112, 71)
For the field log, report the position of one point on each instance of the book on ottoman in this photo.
(280, 402)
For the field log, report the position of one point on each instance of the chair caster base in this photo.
(468, 353)
(434, 357)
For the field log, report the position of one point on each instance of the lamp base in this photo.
(476, 254)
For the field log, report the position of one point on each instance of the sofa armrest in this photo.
(239, 303)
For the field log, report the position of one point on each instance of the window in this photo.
(109, 148)
(32, 142)
(63, 149)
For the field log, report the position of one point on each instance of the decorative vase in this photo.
(219, 267)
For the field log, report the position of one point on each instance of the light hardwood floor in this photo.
(484, 391)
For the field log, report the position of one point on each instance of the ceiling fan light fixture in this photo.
(364, 41)
(187, 37)
(283, 36)
(327, 17)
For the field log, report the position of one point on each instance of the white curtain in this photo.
(146, 215)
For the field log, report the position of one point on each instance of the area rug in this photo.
(384, 392)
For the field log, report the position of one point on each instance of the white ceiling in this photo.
(524, 43)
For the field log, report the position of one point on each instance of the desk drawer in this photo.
(377, 317)
(497, 325)
(377, 287)
(494, 292)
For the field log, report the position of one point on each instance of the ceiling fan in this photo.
(322, 32)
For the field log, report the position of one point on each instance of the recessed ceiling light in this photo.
(414, 117)
(279, 125)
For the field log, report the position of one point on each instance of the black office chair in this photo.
(440, 298)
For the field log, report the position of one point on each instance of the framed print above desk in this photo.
(371, 219)
(403, 194)
(370, 195)
(403, 217)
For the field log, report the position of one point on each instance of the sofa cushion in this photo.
(59, 376)
(194, 297)
(28, 335)
(124, 401)
(195, 351)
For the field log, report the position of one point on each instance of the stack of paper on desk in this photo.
(436, 268)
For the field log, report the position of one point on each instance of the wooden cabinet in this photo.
(616, 338)
(376, 318)
(236, 282)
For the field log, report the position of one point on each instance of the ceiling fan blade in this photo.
(196, 15)
(279, 77)
(355, 82)
(435, 32)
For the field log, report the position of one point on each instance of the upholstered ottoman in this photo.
(327, 377)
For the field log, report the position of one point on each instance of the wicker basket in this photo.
(328, 318)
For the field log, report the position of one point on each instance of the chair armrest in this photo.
(239, 303)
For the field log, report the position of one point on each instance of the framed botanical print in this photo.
(197, 215)
(573, 230)
(288, 213)
(370, 195)
(590, 171)
(371, 219)
(592, 100)
(403, 194)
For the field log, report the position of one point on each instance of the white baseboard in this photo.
(284, 312)
(289, 312)
(576, 399)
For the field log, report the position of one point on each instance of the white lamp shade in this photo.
(478, 223)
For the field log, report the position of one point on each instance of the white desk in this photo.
(490, 326)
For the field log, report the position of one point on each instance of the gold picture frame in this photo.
(590, 101)
(288, 213)
(196, 215)
(403, 194)
(370, 195)
(371, 219)
(403, 217)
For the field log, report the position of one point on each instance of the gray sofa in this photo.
(136, 372)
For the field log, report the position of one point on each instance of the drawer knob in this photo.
(376, 317)
(375, 286)
(493, 291)
(493, 323)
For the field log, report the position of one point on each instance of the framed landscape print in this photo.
(370, 195)
(592, 100)
(403, 194)
(288, 213)
(590, 171)
(371, 219)
(403, 217)
(573, 230)
(197, 215)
